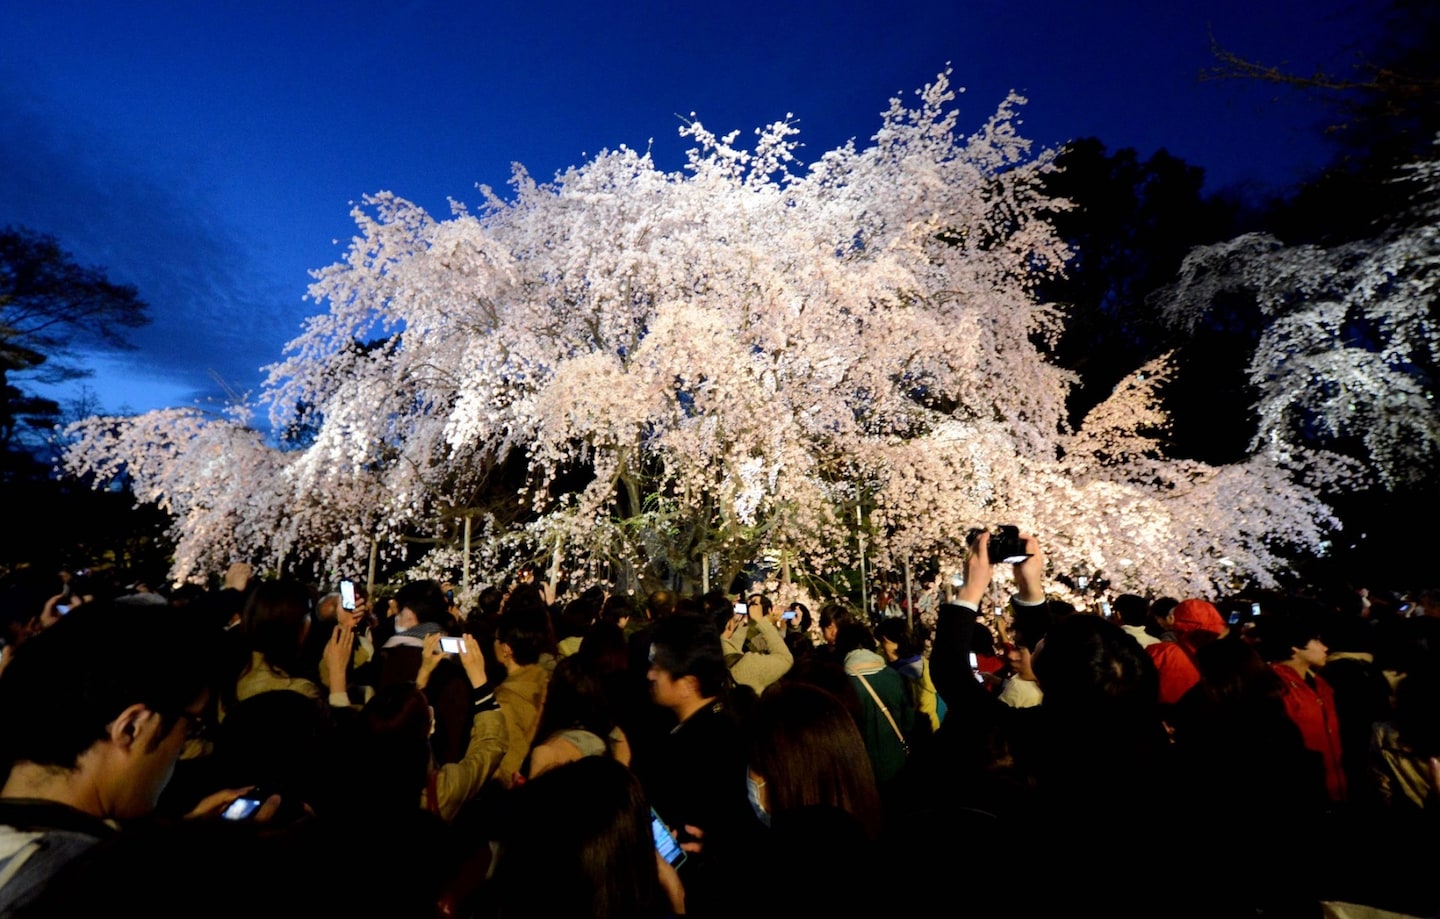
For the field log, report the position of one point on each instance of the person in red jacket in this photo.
(1196, 623)
(1296, 654)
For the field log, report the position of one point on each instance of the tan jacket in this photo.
(768, 659)
(521, 698)
(456, 783)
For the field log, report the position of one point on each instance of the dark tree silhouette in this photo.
(51, 309)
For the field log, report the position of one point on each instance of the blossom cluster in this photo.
(739, 360)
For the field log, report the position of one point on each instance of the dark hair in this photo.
(1163, 607)
(660, 604)
(690, 646)
(526, 629)
(897, 631)
(1417, 710)
(1232, 671)
(604, 650)
(1281, 633)
(835, 614)
(426, 600)
(717, 608)
(853, 635)
(67, 684)
(487, 606)
(581, 611)
(807, 748)
(1090, 663)
(1131, 609)
(582, 844)
(804, 620)
(574, 698)
(1029, 624)
(395, 746)
(766, 607)
(616, 608)
(275, 617)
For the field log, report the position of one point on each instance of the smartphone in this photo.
(1235, 618)
(451, 645)
(347, 595)
(1081, 581)
(1105, 608)
(62, 608)
(975, 668)
(789, 614)
(740, 609)
(1254, 609)
(665, 841)
(245, 806)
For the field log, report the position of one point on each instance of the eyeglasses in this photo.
(196, 727)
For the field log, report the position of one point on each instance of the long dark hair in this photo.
(575, 698)
(806, 747)
(394, 744)
(275, 616)
(581, 846)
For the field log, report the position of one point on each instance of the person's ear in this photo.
(129, 725)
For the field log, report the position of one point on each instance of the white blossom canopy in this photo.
(738, 360)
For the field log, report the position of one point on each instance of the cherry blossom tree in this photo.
(742, 360)
(1351, 345)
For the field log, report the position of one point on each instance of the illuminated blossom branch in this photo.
(737, 361)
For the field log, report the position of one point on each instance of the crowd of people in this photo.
(269, 747)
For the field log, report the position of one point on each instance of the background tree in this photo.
(51, 309)
(1129, 225)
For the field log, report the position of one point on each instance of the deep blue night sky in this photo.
(209, 152)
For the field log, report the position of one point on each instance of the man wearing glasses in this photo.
(94, 712)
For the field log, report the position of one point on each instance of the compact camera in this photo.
(1005, 544)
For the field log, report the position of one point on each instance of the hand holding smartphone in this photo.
(451, 645)
(245, 806)
(665, 841)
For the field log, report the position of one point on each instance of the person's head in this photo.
(716, 608)
(1197, 623)
(1292, 639)
(1028, 627)
(522, 634)
(832, 617)
(1162, 611)
(277, 618)
(1232, 671)
(604, 649)
(107, 696)
(802, 620)
(763, 604)
(1131, 610)
(421, 601)
(575, 619)
(327, 609)
(581, 846)
(806, 751)
(660, 604)
(575, 698)
(853, 636)
(487, 606)
(394, 742)
(617, 610)
(897, 643)
(1087, 664)
(687, 663)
